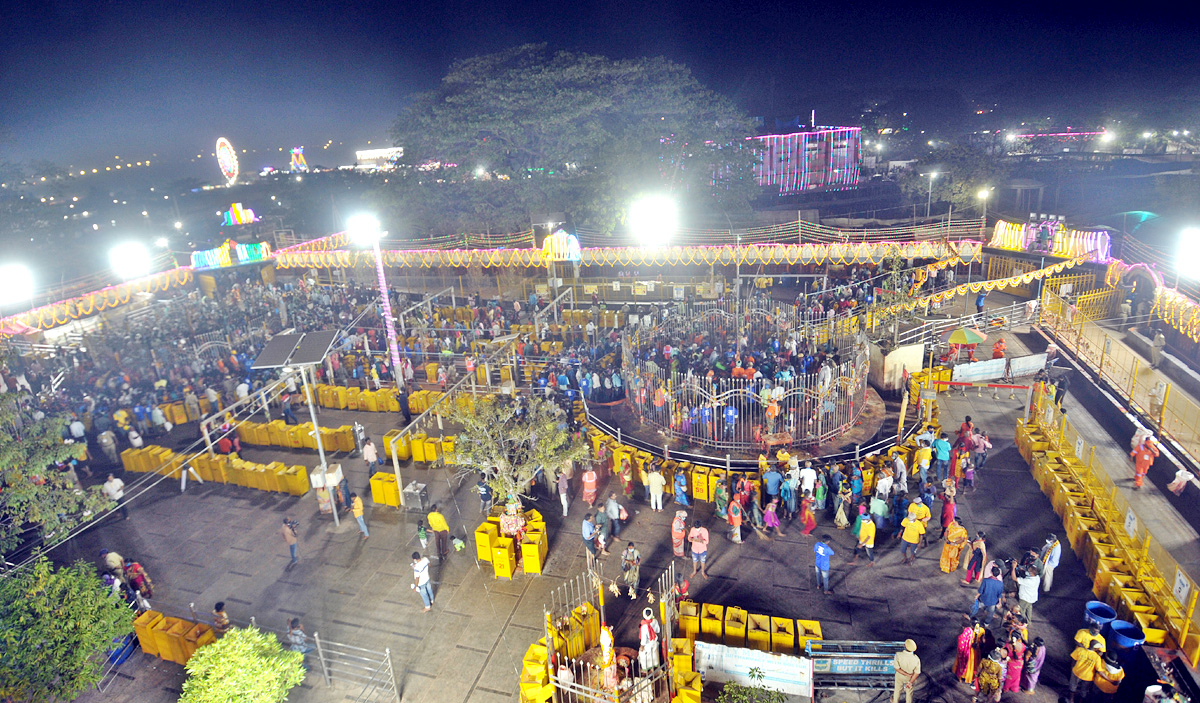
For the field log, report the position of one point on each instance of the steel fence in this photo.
(730, 413)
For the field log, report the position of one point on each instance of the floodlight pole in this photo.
(312, 414)
(389, 326)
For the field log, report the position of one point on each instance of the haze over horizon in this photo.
(86, 81)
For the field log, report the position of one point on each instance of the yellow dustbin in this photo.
(197, 636)
(783, 635)
(533, 552)
(432, 446)
(689, 619)
(143, 626)
(735, 627)
(129, 459)
(758, 632)
(486, 536)
(807, 630)
(711, 617)
(448, 449)
(682, 654)
(168, 637)
(504, 558)
(418, 447)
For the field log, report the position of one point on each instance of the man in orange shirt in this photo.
(1143, 459)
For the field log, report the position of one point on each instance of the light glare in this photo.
(654, 219)
(129, 260)
(16, 284)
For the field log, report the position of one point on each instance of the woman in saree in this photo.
(956, 540)
(1015, 649)
(821, 492)
(678, 532)
(807, 515)
(949, 512)
(976, 558)
(967, 655)
(631, 565)
(841, 518)
(1035, 656)
(721, 499)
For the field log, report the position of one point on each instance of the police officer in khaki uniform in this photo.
(908, 668)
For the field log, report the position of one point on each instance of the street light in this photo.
(130, 260)
(364, 230)
(162, 242)
(929, 200)
(984, 194)
(653, 219)
(16, 285)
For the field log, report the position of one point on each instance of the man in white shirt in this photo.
(214, 398)
(243, 390)
(1027, 591)
(78, 431)
(114, 488)
(421, 583)
(808, 479)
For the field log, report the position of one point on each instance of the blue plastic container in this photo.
(1098, 613)
(1124, 638)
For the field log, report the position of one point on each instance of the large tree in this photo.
(245, 665)
(524, 131)
(55, 625)
(962, 173)
(510, 440)
(32, 492)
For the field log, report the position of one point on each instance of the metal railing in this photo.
(1176, 415)
(1005, 318)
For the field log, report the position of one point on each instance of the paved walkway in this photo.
(220, 542)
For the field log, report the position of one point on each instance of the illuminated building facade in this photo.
(823, 158)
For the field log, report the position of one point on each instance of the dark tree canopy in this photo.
(524, 131)
(962, 173)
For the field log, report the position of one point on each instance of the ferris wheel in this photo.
(227, 160)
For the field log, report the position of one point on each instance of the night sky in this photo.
(83, 81)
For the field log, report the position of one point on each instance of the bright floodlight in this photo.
(1147, 135)
(364, 228)
(984, 193)
(16, 284)
(178, 224)
(1107, 136)
(129, 260)
(653, 219)
(1189, 249)
(161, 242)
(1010, 137)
